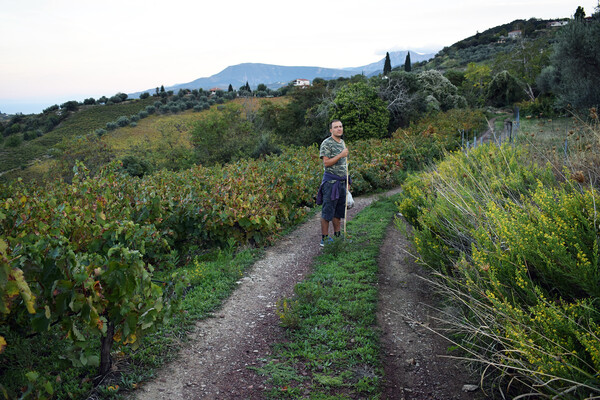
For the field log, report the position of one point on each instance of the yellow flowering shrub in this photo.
(523, 251)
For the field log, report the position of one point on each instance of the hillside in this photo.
(485, 46)
(78, 123)
(162, 138)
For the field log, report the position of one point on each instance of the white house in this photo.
(555, 24)
(514, 34)
(302, 82)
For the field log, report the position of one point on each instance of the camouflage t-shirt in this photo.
(330, 148)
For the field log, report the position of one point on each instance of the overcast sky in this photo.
(58, 50)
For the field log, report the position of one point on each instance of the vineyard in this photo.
(93, 264)
(79, 259)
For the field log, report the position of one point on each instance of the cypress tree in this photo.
(579, 14)
(407, 66)
(230, 89)
(387, 65)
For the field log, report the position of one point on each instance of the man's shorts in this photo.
(333, 208)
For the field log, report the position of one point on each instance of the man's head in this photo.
(336, 128)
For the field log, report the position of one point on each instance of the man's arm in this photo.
(328, 162)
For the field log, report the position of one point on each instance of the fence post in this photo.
(518, 121)
(508, 130)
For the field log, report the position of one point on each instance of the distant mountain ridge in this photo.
(397, 58)
(276, 76)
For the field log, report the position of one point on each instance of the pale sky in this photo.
(53, 51)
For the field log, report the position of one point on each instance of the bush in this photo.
(135, 166)
(224, 136)
(542, 106)
(442, 94)
(13, 141)
(361, 110)
(123, 121)
(100, 132)
(519, 251)
(30, 135)
(266, 145)
(111, 126)
(51, 109)
(70, 105)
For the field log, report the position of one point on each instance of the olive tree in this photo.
(401, 92)
(574, 75)
(440, 93)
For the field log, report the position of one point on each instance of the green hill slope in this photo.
(484, 47)
(82, 122)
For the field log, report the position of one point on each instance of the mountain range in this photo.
(276, 76)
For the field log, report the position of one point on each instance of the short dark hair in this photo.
(331, 123)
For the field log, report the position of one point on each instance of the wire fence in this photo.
(470, 139)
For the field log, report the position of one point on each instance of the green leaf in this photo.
(93, 360)
(77, 334)
(26, 294)
(32, 376)
(49, 388)
(3, 245)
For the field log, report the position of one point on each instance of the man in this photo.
(332, 192)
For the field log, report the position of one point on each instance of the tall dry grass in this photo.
(513, 236)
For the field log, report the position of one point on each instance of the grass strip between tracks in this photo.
(333, 349)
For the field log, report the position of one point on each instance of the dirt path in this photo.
(214, 363)
(413, 355)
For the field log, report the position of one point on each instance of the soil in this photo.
(214, 363)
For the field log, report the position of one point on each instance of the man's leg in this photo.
(337, 224)
(339, 213)
(324, 226)
(328, 209)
